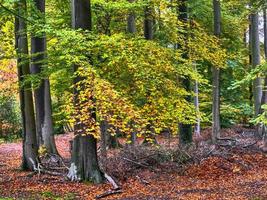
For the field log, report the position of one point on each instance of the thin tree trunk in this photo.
(250, 64)
(84, 161)
(42, 96)
(133, 135)
(264, 93)
(149, 34)
(196, 102)
(131, 28)
(185, 130)
(256, 60)
(216, 77)
(30, 150)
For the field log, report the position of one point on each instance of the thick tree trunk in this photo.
(185, 130)
(131, 27)
(216, 77)
(256, 60)
(21, 92)
(148, 23)
(84, 162)
(44, 122)
(30, 150)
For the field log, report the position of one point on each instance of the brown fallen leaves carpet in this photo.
(240, 176)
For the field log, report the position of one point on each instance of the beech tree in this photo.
(264, 92)
(42, 96)
(185, 130)
(148, 21)
(256, 60)
(30, 150)
(131, 26)
(84, 161)
(216, 76)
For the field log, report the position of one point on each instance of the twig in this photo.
(140, 164)
(142, 180)
(231, 139)
(210, 152)
(225, 145)
(137, 163)
(14, 13)
(141, 158)
(249, 145)
(111, 180)
(110, 192)
(51, 173)
(39, 169)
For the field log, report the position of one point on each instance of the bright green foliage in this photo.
(128, 79)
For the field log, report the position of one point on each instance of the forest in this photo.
(133, 99)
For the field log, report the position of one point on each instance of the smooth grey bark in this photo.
(84, 161)
(148, 23)
(256, 60)
(103, 143)
(250, 62)
(133, 137)
(185, 130)
(264, 93)
(30, 150)
(42, 97)
(216, 77)
(131, 26)
(196, 102)
(21, 92)
(265, 32)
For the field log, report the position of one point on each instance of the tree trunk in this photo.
(256, 60)
(21, 92)
(196, 102)
(104, 132)
(30, 150)
(216, 77)
(185, 130)
(133, 137)
(148, 23)
(44, 122)
(264, 94)
(84, 162)
(131, 27)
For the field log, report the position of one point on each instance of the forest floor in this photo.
(234, 169)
